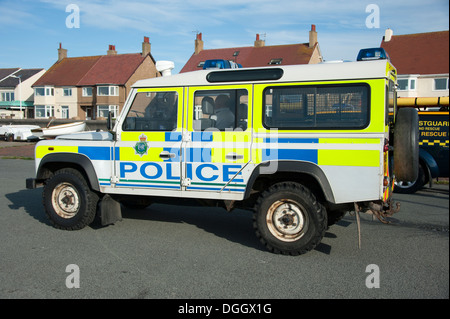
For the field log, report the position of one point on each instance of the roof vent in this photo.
(165, 67)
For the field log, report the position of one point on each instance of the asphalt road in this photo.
(177, 252)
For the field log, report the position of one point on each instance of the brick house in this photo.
(89, 87)
(259, 54)
(422, 62)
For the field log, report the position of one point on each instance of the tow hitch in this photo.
(379, 209)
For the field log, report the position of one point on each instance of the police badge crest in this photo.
(141, 147)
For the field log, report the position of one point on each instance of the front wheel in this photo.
(69, 202)
(289, 220)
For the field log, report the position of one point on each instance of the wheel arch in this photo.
(305, 173)
(53, 162)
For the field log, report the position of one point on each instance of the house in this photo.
(89, 87)
(258, 55)
(16, 93)
(422, 62)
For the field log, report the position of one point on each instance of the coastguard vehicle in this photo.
(299, 145)
(433, 149)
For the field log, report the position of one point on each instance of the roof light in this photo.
(372, 54)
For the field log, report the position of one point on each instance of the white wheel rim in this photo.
(65, 200)
(286, 220)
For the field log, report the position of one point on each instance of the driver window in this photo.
(152, 111)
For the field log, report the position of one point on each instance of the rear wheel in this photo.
(289, 220)
(406, 145)
(69, 202)
(410, 187)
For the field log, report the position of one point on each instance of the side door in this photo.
(219, 148)
(148, 148)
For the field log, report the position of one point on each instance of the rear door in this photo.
(219, 148)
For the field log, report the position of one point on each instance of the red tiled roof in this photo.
(254, 56)
(420, 53)
(92, 70)
(112, 69)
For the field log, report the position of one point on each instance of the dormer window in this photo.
(275, 61)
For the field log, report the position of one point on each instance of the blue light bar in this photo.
(372, 54)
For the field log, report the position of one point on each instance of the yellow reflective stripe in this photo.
(369, 158)
(129, 154)
(349, 140)
(43, 150)
(151, 136)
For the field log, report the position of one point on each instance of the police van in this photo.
(299, 145)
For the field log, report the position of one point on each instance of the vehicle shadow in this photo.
(235, 226)
(31, 201)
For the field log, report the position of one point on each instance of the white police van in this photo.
(299, 145)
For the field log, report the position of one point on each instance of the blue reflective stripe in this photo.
(290, 154)
(215, 189)
(290, 140)
(96, 152)
(173, 136)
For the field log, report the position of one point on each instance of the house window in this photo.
(44, 111)
(67, 91)
(49, 91)
(108, 90)
(7, 96)
(441, 84)
(103, 110)
(44, 91)
(39, 91)
(407, 84)
(87, 91)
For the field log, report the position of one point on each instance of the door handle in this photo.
(166, 155)
(233, 156)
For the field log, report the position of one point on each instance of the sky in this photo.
(30, 31)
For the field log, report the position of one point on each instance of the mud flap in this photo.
(110, 211)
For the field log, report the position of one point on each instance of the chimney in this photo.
(259, 43)
(111, 50)
(62, 53)
(146, 46)
(312, 36)
(388, 35)
(198, 44)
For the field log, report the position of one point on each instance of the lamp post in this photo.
(20, 93)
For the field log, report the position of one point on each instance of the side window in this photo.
(220, 110)
(316, 107)
(152, 111)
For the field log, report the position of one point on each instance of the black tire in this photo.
(406, 145)
(410, 187)
(69, 202)
(288, 219)
(334, 216)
